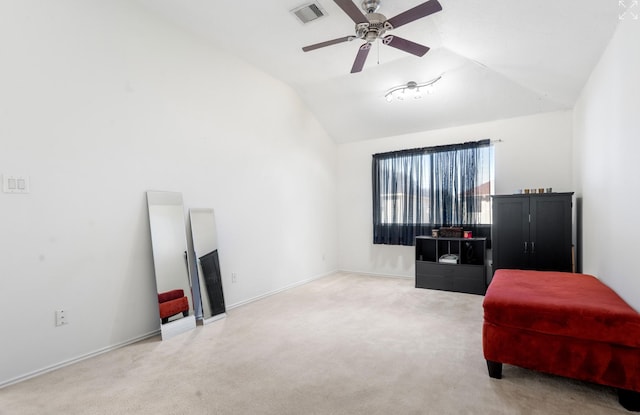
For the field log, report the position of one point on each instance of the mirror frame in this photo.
(205, 242)
(169, 247)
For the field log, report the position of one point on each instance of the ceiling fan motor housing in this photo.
(375, 28)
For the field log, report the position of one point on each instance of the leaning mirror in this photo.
(205, 247)
(169, 245)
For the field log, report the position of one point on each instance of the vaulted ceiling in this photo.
(497, 58)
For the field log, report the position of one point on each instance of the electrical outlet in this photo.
(234, 277)
(61, 318)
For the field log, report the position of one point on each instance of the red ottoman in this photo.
(565, 324)
(171, 303)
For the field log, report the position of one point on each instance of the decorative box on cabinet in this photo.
(466, 275)
(532, 231)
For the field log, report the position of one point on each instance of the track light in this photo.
(410, 90)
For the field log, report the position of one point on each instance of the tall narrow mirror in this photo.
(169, 243)
(205, 246)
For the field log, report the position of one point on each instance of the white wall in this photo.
(535, 152)
(607, 142)
(100, 102)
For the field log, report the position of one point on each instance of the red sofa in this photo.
(565, 324)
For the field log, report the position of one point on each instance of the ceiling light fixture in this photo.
(410, 90)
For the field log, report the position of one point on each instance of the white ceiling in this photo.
(498, 58)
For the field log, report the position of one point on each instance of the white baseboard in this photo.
(279, 290)
(78, 359)
(156, 332)
(373, 274)
(209, 320)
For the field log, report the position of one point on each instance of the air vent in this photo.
(308, 12)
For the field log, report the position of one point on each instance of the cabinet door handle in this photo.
(526, 246)
(533, 247)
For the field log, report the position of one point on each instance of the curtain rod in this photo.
(446, 147)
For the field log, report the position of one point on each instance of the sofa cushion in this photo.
(561, 303)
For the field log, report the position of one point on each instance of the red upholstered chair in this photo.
(171, 303)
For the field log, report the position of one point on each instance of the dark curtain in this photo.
(415, 191)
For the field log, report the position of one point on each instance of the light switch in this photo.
(13, 183)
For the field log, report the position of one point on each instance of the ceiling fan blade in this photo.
(328, 43)
(361, 57)
(405, 45)
(418, 12)
(352, 10)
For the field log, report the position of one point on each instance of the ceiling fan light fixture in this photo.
(411, 89)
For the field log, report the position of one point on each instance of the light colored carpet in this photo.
(343, 344)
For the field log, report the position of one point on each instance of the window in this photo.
(417, 190)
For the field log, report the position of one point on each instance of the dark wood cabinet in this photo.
(532, 231)
(451, 264)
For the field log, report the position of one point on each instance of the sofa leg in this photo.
(630, 400)
(495, 369)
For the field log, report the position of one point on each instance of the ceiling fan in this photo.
(374, 25)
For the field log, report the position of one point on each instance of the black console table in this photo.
(451, 264)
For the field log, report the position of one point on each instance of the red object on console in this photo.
(171, 303)
(566, 324)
